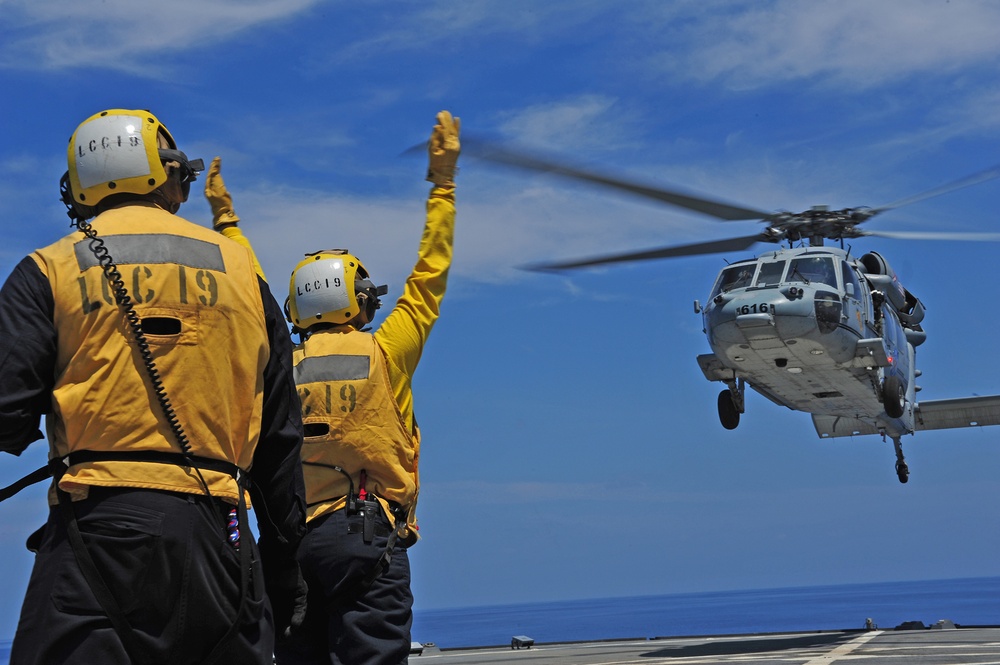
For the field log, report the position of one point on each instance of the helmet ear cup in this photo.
(362, 299)
(371, 304)
(368, 304)
(76, 211)
(367, 295)
(177, 164)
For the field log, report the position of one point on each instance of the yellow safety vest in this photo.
(198, 297)
(400, 342)
(351, 421)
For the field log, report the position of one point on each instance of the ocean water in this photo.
(969, 601)
(966, 601)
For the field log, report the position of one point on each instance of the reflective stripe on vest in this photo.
(336, 367)
(153, 248)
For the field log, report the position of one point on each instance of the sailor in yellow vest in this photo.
(163, 366)
(362, 443)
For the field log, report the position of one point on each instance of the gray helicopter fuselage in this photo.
(801, 327)
(810, 328)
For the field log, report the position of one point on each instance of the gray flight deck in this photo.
(965, 645)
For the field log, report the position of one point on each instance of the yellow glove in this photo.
(443, 150)
(218, 196)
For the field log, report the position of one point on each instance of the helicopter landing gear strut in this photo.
(731, 404)
(902, 471)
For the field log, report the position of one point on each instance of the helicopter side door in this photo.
(856, 305)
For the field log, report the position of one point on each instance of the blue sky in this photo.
(571, 444)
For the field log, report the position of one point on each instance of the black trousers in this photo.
(346, 624)
(166, 560)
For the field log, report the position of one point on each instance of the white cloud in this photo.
(446, 25)
(496, 233)
(120, 35)
(970, 114)
(578, 123)
(853, 43)
(285, 223)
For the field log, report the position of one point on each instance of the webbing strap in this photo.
(36, 476)
(58, 465)
(383, 562)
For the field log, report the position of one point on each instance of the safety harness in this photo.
(59, 465)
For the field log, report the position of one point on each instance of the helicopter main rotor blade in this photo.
(711, 247)
(492, 153)
(934, 235)
(968, 181)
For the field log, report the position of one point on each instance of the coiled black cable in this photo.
(114, 277)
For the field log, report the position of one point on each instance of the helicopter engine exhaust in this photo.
(880, 274)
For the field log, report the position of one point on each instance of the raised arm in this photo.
(224, 219)
(403, 333)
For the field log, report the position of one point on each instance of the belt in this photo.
(398, 511)
(381, 529)
(58, 465)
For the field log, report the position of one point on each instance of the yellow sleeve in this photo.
(233, 232)
(403, 333)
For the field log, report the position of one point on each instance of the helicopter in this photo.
(807, 325)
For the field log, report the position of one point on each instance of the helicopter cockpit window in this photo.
(770, 273)
(734, 277)
(813, 269)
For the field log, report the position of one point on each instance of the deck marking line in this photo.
(843, 649)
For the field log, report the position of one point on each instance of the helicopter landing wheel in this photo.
(729, 415)
(893, 397)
